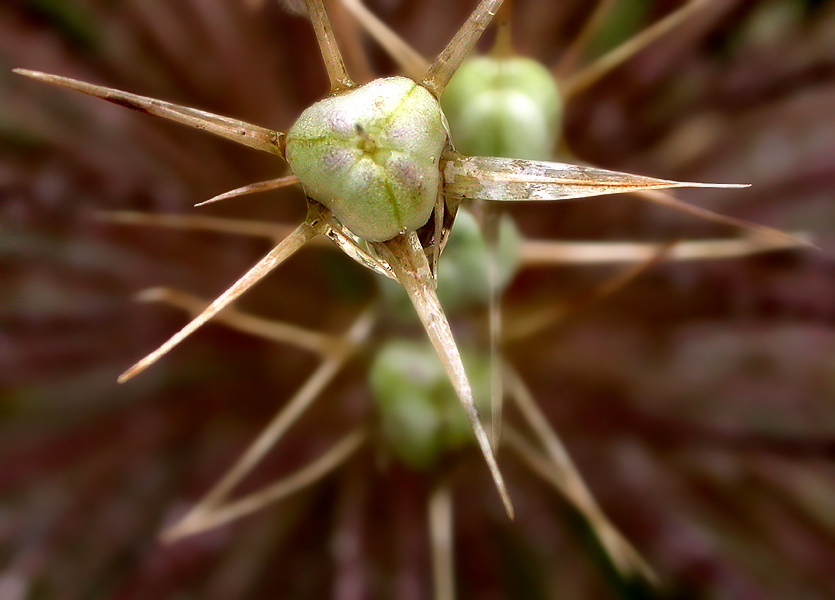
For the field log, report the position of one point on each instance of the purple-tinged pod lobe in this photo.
(371, 156)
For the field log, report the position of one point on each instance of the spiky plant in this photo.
(194, 421)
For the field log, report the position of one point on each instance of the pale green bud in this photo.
(371, 156)
(507, 107)
(420, 414)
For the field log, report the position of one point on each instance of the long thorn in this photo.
(253, 188)
(309, 228)
(275, 331)
(629, 48)
(287, 416)
(623, 555)
(408, 260)
(440, 535)
(570, 483)
(534, 322)
(518, 180)
(355, 248)
(491, 224)
(668, 200)
(272, 231)
(304, 477)
(253, 136)
(350, 32)
(533, 253)
(409, 60)
(448, 61)
(571, 54)
(335, 66)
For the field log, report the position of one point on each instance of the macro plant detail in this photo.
(464, 180)
(346, 134)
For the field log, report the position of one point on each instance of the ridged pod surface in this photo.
(503, 107)
(371, 155)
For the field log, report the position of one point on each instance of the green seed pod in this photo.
(371, 155)
(462, 272)
(503, 107)
(420, 414)
(462, 275)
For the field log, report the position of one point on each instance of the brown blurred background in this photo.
(699, 401)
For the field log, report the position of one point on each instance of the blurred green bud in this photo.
(371, 155)
(420, 414)
(508, 107)
(462, 271)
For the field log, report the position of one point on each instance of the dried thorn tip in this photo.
(409, 263)
(448, 61)
(412, 63)
(253, 136)
(253, 188)
(335, 66)
(513, 179)
(286, 248)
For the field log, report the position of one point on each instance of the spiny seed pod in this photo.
(420, 416)
(371, 155)
(370, 158)
(507, 106)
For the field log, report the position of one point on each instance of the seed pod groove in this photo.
(371, 155)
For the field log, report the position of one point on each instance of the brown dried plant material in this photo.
(748, 298)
